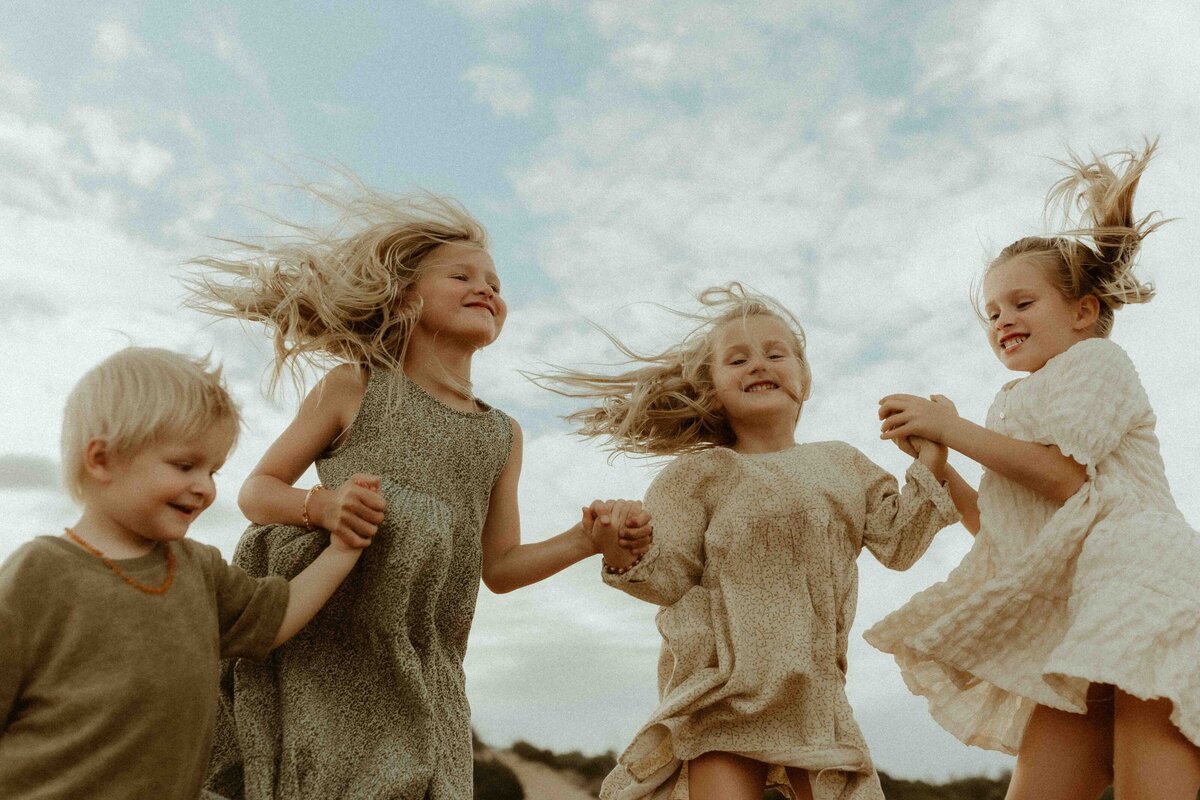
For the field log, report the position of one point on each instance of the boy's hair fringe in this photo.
(667, 407)
(138, 396)
(1097, 253)
(339, 293)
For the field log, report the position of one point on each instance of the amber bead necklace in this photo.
(134, 582)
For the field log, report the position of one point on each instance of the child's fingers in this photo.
(639, 520)
(620, 513)
(942, 400)
(372, 499)
(361, 527)
(366, 481)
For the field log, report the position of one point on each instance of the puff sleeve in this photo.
(1087, 400)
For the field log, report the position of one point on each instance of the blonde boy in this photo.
(110, 635)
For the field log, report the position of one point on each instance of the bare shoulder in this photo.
(339, 393)
(345, 379)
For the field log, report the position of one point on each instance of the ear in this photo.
(97, 460)
(1087, 312)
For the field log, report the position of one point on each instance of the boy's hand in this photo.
(352, 512)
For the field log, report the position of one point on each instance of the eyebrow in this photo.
(487, 273)
(1010, 293)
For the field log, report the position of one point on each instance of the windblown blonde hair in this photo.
(668, 406)
(1097, 254)
(139, 396)
(337, 294)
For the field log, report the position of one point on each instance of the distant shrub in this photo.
(589, 767)
(962, 789)
(494, 781)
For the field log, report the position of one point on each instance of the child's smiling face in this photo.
(756, 370)
(460, 293)
(1029, 319)
(157, 492)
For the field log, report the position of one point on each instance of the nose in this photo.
(205, 488)
(485, 289)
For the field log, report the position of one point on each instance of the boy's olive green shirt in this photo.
(108, 692)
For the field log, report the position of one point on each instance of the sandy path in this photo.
(539, 781)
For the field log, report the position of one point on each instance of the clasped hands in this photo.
(914, 423)
(619, 529)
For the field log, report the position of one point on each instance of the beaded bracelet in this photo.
(304, 511)
(611, 570)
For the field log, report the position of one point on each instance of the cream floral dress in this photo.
(754, 563)
(1104, 588)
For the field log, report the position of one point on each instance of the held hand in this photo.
(906, 415)
(931, 454)
(614, 521)
(637, 533)
(352, 512)
(632, 523)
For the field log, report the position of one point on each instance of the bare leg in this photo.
(1151, 758)
(725, 776)
(800, 784)
(1065, 756)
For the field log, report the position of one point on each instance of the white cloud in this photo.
(229, 48)
(17, 87)
(488, 11)
(140, 161)
(502, 89)
(115, 43)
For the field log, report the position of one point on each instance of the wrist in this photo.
(311, 508)
(582, 541)
(621, 566)
(341, 550)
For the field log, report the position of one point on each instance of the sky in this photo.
(858, 161)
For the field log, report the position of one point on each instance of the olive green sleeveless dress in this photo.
(369, 700)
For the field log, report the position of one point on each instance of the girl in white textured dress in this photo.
(753, 560)
(1069, 634)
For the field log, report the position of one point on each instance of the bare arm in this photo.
(1042, 468)
(508, 564)
(312, 588)
(965, 498)
(353, 510)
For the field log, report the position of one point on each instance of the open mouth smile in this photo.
(761, 386)
(187, 511)
(1012, 341)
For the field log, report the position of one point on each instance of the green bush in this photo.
(494, 781)
(962, 789)
(592, 768)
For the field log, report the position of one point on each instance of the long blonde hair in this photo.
(668, 405)
(1097, 253)
(341, 293)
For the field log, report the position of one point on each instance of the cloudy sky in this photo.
(859, 161)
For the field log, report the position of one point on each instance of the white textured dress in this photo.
(754, 563)
(1104, 588)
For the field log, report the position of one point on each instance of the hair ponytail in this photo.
(1097, 253)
